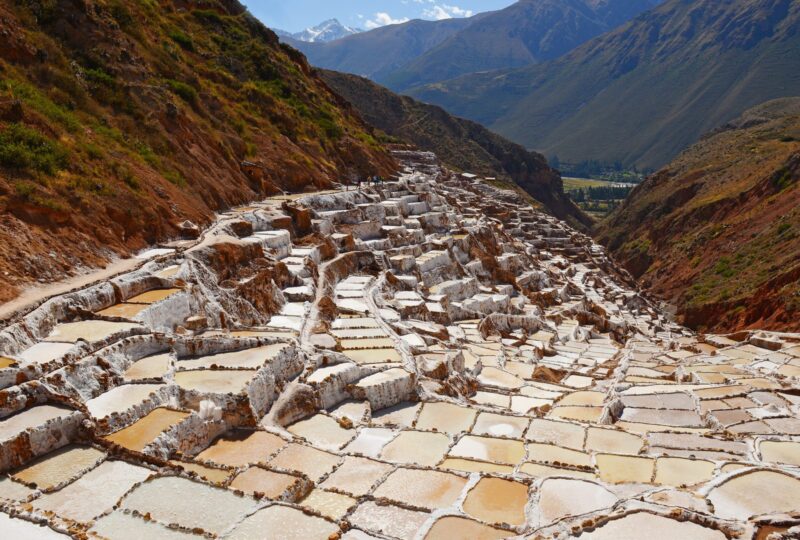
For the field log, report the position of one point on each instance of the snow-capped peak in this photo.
(329, 30)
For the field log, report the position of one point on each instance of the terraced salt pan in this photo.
(30, 419)
(632, 526)
(445, 417)
(209, 381)
(240, 448)
(59, 467)
(373, 356)
(121, 399)
(151, 297)
(495, 500)
(322, 431)
(559, 498)
(509, 452)
(124, 311)
(550, 453)
(419, 488)
(499, 425)
(356, 476)
(270, 484)
(45, 352)
(151, 367)
(418, 447)
(94, 493)
(683, 472)
(786, 452)
(170, 499)
(370, 441)
(755, 493)
(331, 505)
(19, 529)
(449, 527)
(208, 473)
(312, 462)
(145, 430)
(282, 523)
(388, 520)
(121, 526)
(245, 359)
(91, 331)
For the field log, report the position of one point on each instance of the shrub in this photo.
(181, 39)
(26, 149)
(183, 91)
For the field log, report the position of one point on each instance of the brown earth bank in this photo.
(717, 232)
(462, 144)
(120, 120)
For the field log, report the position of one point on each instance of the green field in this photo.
(574, 184)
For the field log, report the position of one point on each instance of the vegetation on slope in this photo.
(462, 144)
(717, 232)
(121, 119)
(643, 93)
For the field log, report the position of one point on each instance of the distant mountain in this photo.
(527, 32)
(461, 144)
(642, 93)
(378, 53)
(324, 32)
(417, 52)
(717, 231)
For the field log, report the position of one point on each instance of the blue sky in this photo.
(295, 15)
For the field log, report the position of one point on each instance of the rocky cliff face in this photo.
(717, 232)
(121, 120)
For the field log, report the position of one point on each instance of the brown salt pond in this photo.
(331, 505)
(151, 297)
(240, 448)
(312, 462)
(494, 500)
(124, 311)
(419, 447)
(653, 527)
(422, 488)
(209, 381)
(613, 441)
(450, 527)
(59, 467)
(170, 499)
(279, 522)
(322, 431)
(270, 484)
(356, 476)
(6, 362)
(445, 417)
(505, 451)
(537, 470)
(211, 474)
(145, 430)
(246, 359)
(94, 493)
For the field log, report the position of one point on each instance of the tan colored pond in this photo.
(492, 376)
(121, 398)
(151, 297)
(495, 500)
(94, 493)
(269, 484)
(509, 452)
(786, 452)
(619, 469)
(422, 488)
(549, 453)
(209, 381)
(559, 497)
(59, 467)
(44, 352)
(279, 522)
(683, 472)
(419, 447)
(537, 470)
(6, 362)
(170, 499)
(312, 462)
(356, 476)
(374, 356)
(322, 431)
(445, 417)
(145, 430)
(388, 520)
(499, 425)
(151, 367)
(469, 465)
(124, 311)
(613, 441)
(240, 448)
(582, 414)
(246, 359)
(370, 441)
(755, 493)
(401, 415)
(121, 526)
(450, 527)
(331, 505)
(208, 473)
(657, 527)
(367, 343)
(90, 331)
(30, 418)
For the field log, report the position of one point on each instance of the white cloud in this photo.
(445, 11)
(383, 19)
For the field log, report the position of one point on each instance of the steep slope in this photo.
(120, 120)
(717, 232)
(646, 91)
(460, 143)
(527, 32)
(378, 53)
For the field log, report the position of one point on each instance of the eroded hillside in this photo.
(717, 232)
(121, 120)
